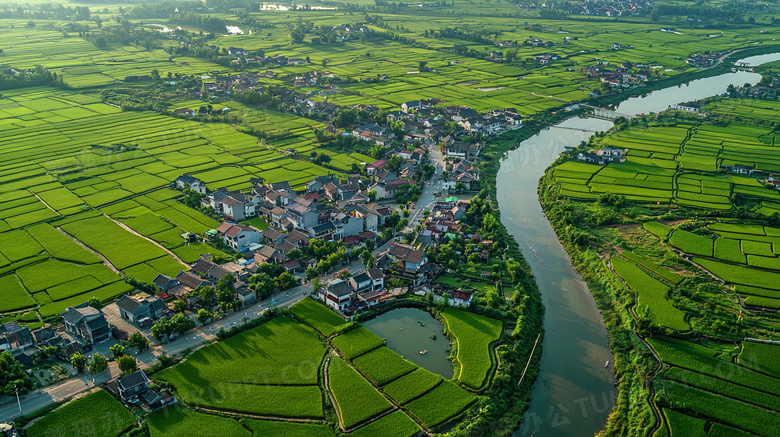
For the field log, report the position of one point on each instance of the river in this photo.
(574, 392)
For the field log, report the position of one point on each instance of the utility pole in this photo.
(16, 389)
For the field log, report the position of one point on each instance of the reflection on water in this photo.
(404, 334)
(574, 392)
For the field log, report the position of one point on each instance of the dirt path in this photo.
(128, 229)
(44, 202)
(106, 262)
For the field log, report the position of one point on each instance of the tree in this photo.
(372, 195)
(127, 364)
(368, 259)
(98, 364)
(78, 361)
(117, 349)
(285, 281)
(370, 244)
(203, 315)
(295, 254)
(423, 64)
(394, 163)
(207, 294)
(312, 273)
(316, 283)
(138, 341)
(179, 306)
(162, 329)
(297, 35)
(492, 298)
(95, 303)
(181, 323)
(155, 74)
(13, 376)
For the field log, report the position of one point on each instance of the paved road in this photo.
(202, 334)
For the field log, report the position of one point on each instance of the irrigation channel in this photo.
(574, 391)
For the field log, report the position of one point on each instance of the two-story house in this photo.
(133, 309)
(86, 323)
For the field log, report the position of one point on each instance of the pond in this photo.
(405, 335)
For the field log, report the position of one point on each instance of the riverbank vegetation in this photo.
(694, 242)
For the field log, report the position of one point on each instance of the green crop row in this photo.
(395, 424)
(651, 294)
(280, 351)
(50, 273)
(761, 357)
(98, 414)
(18, 245)
(178, 422)
(660, 230)
(357, 341)
(691, 243)
(724, 388)
(282, 428)
(684, 425)
(121, 247)
(741, 275)
(764, 302)
(60, 246)
(674, 278)
(356, 399)
(412, 385)
(382, 365)
(700, 359)
(318, 316)
(474, 335)
(441, 404)
(13, 296)
(729, 250)
(726, 410)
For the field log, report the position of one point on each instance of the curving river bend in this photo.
(574, 392)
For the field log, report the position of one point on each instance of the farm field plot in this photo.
(255, 365)
(700, 359)
(318, 316)
(357, 341)
(412, 385)
(14, 295)
(473, 334)
(395, 424)
(274, 428)
(98, 413)
(356, 398)
(442, 403)
(730, 411)
(177, 422)
(673, 278)
(382, 365)
(691, 243)
(276, 343)
(650, 293)
(61, 247)
(121, 247)
(741, 275)
(761, 357)
(681, 424)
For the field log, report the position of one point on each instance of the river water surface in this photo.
(574, 392)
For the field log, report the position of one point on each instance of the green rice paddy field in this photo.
(679, 165)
